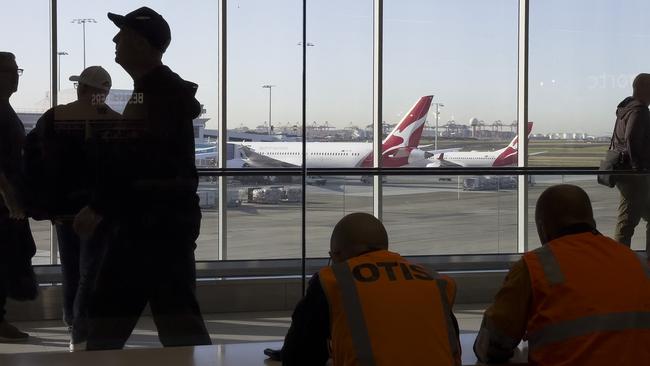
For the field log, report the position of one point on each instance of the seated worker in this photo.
(580, 299)
(372, 306)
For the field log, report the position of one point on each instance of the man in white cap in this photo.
(58, 153)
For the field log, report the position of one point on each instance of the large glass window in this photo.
(578, 75)
(604, 201)
(339, 113)
(85, 37)
(264, 114)
(451, 214)
(464, 55)
(192, 53)
(264, 75)
(329, 198)
(449, 101)
(448, 95)
(25, 31)
(339, 82)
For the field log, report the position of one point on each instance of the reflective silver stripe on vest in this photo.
(442, 288)
(586, 325)
(644, 263)
(550, 266)
(354, 314)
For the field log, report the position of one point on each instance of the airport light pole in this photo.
(269, 87)
(59, 54)
(83, 22)
(438, 106)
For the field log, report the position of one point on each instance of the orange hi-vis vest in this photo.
(384, 310)
(590, 303)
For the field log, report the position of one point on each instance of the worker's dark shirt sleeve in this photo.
(306, 342)
(504, 322)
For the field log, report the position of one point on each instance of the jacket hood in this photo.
(192, 104)
(628, 105)
(182, 91)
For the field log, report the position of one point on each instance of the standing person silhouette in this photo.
(146, 194)
(17, 245)
(631, 139)
(57, 155)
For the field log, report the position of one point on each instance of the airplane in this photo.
(205, 151)
(400, 148)
(207, 154)
(470, 159)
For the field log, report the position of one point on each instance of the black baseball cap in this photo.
(148, 23)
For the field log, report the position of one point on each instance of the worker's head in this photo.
(143, 38)
(93, 85)
(9, 73)
(641, 88)
(355, 234)
(560, 207)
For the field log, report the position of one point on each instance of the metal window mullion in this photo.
(222, 142)
(378, 36)
(303, 178)
(54, 96)
(522, 125)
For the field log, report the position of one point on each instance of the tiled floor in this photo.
(223, 328)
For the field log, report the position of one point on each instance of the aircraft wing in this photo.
(440, 162)
(537, 153)
(256, 160)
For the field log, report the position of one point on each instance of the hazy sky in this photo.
(583, 54)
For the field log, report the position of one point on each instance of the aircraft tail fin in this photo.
(408, 132)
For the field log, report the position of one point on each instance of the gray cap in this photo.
(94, 76)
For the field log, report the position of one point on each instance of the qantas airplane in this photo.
(470, 159)
(400, 148)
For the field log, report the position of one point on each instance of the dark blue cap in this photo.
(148, 23)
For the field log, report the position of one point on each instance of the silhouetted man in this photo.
(146, 198)
(632, 139)
(58, 152)
(372, 306)
(17, 245)
(580, 299)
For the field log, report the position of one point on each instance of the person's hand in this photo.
(86, 222)
(16, 209)
(17, 212)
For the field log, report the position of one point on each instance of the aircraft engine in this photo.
(419, 155)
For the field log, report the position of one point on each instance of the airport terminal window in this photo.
(264, 217)
(449, 101)
(451, 214)
(329, 198)
(25, 30)
(464, 54)
(604, 202)
(578, 77)
(192, 53)
(264, 103)
(469, 77)
(339, 59)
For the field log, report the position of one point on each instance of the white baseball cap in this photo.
(94, 76)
